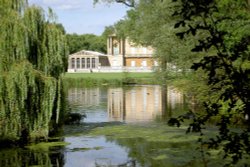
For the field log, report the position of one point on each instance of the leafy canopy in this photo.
(226, 63)
(86, 42)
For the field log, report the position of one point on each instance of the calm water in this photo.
(130, 105)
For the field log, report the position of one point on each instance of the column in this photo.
(111, 45)
(96, 62)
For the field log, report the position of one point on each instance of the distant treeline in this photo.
(86, 42)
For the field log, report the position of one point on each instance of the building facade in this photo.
(122, 56)
(122, 52)
(87, 61)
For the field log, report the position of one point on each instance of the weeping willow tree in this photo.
(33, 54)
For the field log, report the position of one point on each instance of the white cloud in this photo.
(61, 4)
(81, 16)
(68, 7)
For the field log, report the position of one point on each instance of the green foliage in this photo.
(151, 23)
(86, 42)
(33, 54)
(226, 44)
(108, 31)
(47, 48)
(214, 38)
(27, 100)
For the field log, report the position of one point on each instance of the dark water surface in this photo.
(104, 107)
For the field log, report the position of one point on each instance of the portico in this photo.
(86, 61)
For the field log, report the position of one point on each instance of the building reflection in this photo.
(132, 104)
(142, 103)
(116, 104)
(174, 97)
(174, 103)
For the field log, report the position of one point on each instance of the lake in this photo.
(121, 127)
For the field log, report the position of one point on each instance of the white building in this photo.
(122, 56)
(87, 61)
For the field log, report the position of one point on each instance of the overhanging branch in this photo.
(129, 3)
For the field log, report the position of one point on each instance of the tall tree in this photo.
(33, 54)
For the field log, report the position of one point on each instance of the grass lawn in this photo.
(109, 76)
(115, 79)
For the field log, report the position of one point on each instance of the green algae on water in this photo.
(157, 144)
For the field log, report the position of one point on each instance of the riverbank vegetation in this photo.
(108, 79)
(33, 54)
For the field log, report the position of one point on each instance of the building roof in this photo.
(88, 52)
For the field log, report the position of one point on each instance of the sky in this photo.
(82, 16)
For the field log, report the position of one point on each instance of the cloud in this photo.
(81, 16)
(68, 7)
(60, 5)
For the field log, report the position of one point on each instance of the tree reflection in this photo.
(24, 157)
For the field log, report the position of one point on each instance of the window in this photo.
(132, 63)
(78, 63)
(144, 63)
(83, 62)
(88, 62)
(93, 62)
(73, 63)
(116, 51)
(133, 50)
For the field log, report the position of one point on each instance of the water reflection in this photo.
(89, 101)
(85, 97)
(94, 151)
(130, 104)
(25, 157)
(134, 104)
